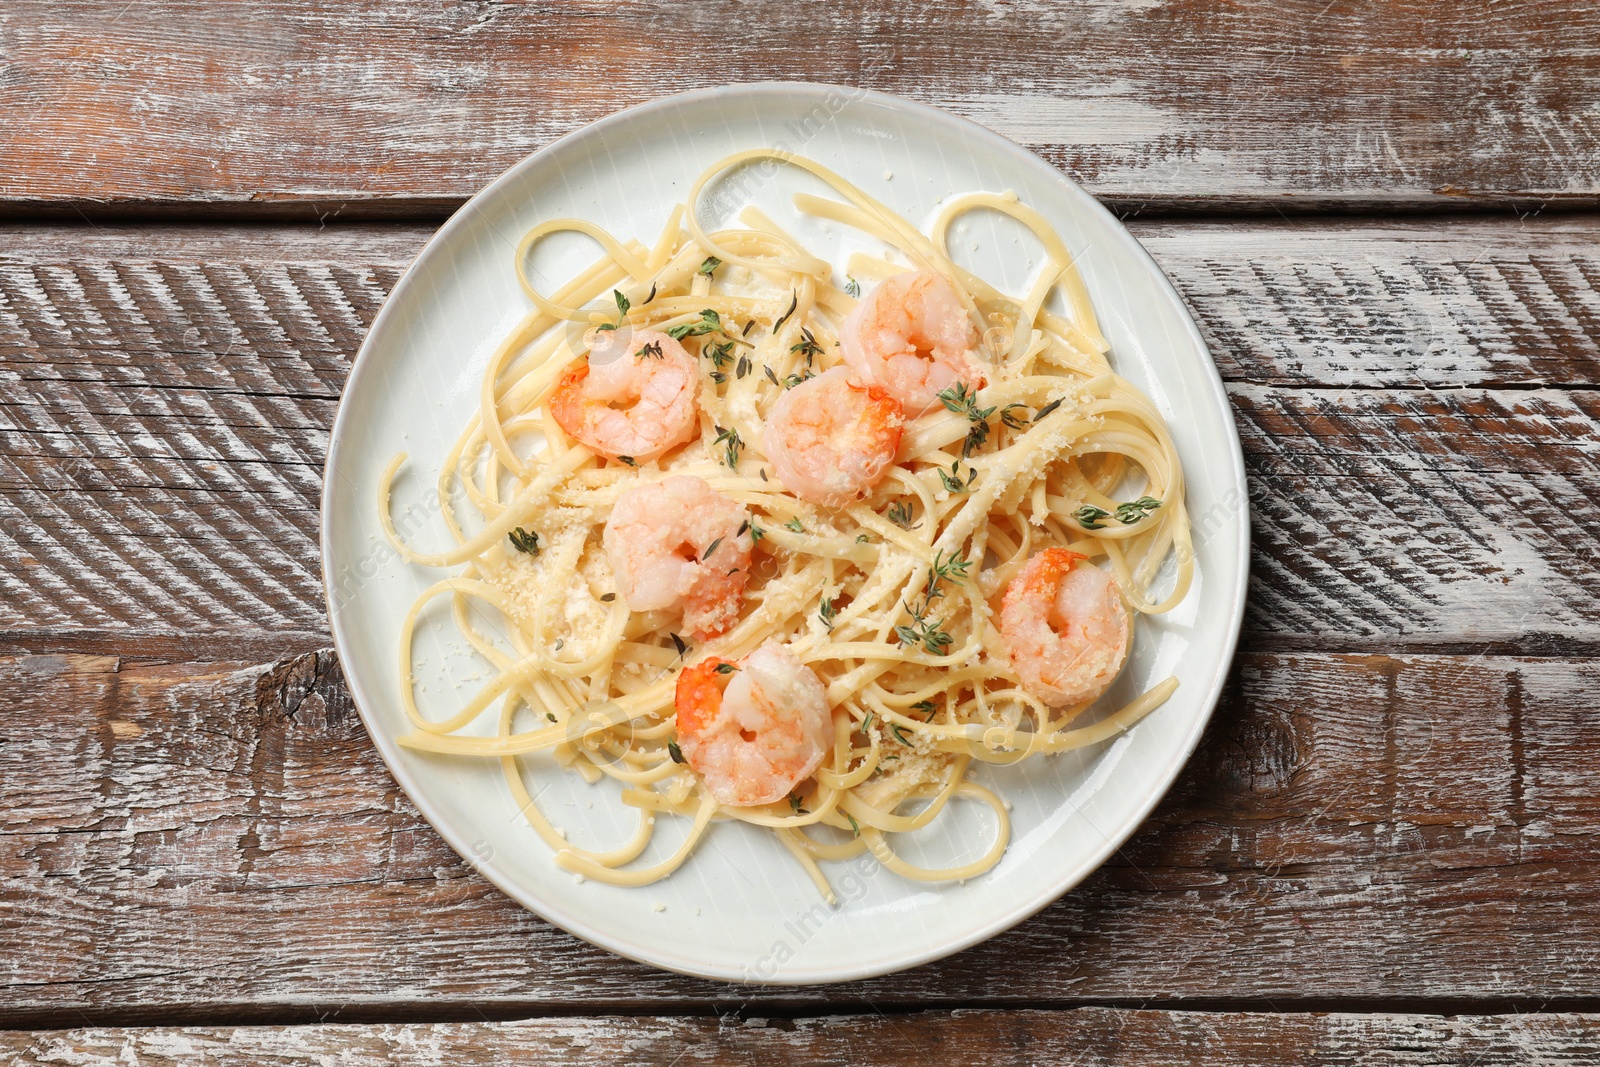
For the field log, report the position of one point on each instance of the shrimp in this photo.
(678, 543)
(754, 730)
(831, 439)
(1065, 627)
(635, 396)
(911, 336)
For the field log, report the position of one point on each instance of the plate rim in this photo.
(892, 962)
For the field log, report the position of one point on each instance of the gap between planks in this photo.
(1085, 1037)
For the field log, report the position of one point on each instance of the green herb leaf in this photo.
(650, 351)
(793, 303)
(899, 513)
(827, 613)
(795, 524)
(725, 668)
(756, 533)
(1009, 416)
(894, 728)
(851, 286)
(678, 642)
(855, 827)
(977, 434)
(525, 541)
(807, 346)
(712, 547)
(731, 443)
(952, 478)
(675, 752)
(964, 401)
(629, 460)
(1091, 517)
(719, 352)
(1135, 510)
(710, 264)
(1048, 409)
(710, 322)
(622, 303)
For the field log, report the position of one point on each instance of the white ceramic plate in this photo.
(741, 909)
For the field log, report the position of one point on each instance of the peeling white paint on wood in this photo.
(317, 109)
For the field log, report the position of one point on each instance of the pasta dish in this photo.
(766, 538)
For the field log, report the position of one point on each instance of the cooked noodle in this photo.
(580, 678)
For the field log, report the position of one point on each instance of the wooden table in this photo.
(1386, 849)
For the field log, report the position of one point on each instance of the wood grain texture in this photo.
(316, 109)
(1085, 1037)
(220, 842)
(169, 392)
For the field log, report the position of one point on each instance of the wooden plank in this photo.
(169, 395)
(220, 842)
(281, 309)
(1382, 303)
(316, 110)
(1085, 1037)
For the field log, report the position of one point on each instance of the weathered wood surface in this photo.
(169, 392)
(220, 842)
(1085, 1037)
(317, 109)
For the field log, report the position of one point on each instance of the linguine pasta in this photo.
(891, 600)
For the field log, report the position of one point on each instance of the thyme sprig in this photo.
(731, 442)
(1134, 511)
(964, 401)
(952, 478)
(899, 513)
(827, 613)
(930, 635)
(807, 346)
(623, 304)
(709, 322)
(1009, 416)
